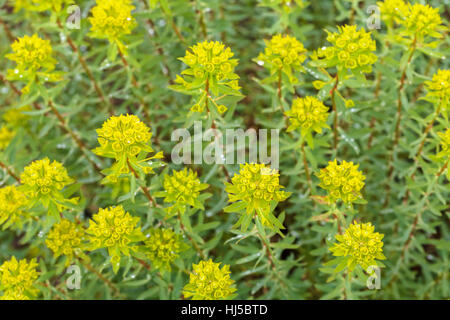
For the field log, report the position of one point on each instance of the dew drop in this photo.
(105, 64)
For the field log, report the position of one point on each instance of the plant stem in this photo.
(425, 134)
(174, 26)
(74, 137)
(202, 24)
(399, 99)
(11, 85)
(194, 243)
(100, 276)
(143, 188)
(50, 287)
(8, 32)
(144, 264)
(419, 88)
(373, 121)
(9, 171)
(305, 165)
(85, 67)
(419, 152)
(159, 48)
(398, 122)
(63, 124)
(213, 125)
(279, 91)
(442, 169)
(347, 283)
(272, 259)
(333, 101)
(415, 223)
(134, 83)
(127, 66)
(268, 252)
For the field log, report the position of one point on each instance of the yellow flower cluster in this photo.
(11, 295)
(17, 278)
(445, 143)
(283, 53)
(112, 19)
(15, 117)
(256, 186)
(307, 113)
(183, 187)
(342, 181)
(66, 239)
(22, 4)
(12, 203)
(53, 5)
(439, 87)
(34, 60)
(256, 182)
(210, 69)
(210, 60)
(393, 11)
(32, 55)
(163, 247)
(123, 138)
(352, 49)
(6, 136)
(42, 178)
(360, 244)
(209, 282)
(423, 20)
(115, 229)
